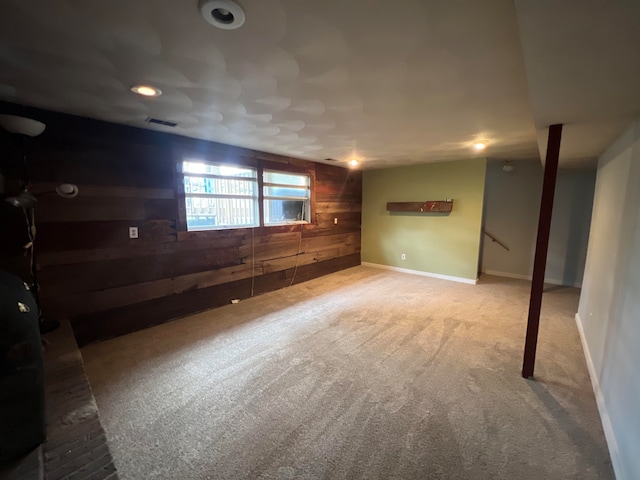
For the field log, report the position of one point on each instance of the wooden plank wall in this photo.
(108, 284)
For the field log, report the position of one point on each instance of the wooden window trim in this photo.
(228, 157)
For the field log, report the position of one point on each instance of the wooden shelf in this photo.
(430, 206)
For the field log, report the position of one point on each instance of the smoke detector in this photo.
(225, 14)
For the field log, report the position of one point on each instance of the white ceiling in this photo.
(391, 83)
(583, 70)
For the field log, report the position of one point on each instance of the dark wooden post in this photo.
(542, 246)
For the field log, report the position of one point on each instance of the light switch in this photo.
(133, 232)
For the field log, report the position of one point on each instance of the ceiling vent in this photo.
(157, 121)
(225, 14)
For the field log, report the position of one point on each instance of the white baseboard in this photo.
(507, 274)
(602, 407)
(424, 274)
(551, 281)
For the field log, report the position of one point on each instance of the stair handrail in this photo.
(495, 240)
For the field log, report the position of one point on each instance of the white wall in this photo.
(512, 207)
(570, 224)
(609, 311)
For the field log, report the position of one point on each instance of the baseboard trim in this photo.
(609, 433)
(518, 276)
(421, 273)
(507, 274)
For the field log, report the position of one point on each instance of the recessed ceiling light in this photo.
(146, 90)
(225, 14)
(479, 146)
(353, 162)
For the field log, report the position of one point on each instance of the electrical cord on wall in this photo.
(295, 270)
(253, 260)
(31, 234)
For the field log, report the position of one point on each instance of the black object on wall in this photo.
(22, 402)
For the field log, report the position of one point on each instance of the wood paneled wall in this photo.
(108, 284)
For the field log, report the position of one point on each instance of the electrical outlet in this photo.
(403, 256)
(133, 232)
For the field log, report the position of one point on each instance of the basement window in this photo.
(286, 197)
(219, 196)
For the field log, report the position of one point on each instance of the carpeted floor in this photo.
(364, 373)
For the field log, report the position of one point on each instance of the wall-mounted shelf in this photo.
(430, 206)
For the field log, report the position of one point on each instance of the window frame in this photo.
(271, 163)
(250, 180)
(307, 197)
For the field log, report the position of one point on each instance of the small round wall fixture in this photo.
(67, 190)
(225, 14)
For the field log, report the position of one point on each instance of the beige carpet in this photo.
(364, 373)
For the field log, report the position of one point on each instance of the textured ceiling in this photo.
(391, 83)
(583, 70)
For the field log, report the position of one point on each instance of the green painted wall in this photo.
(445, 245)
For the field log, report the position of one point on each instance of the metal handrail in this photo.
(495, 240)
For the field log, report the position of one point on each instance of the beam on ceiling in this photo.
(542, 246)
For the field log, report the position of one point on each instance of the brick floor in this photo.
(76, 446)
